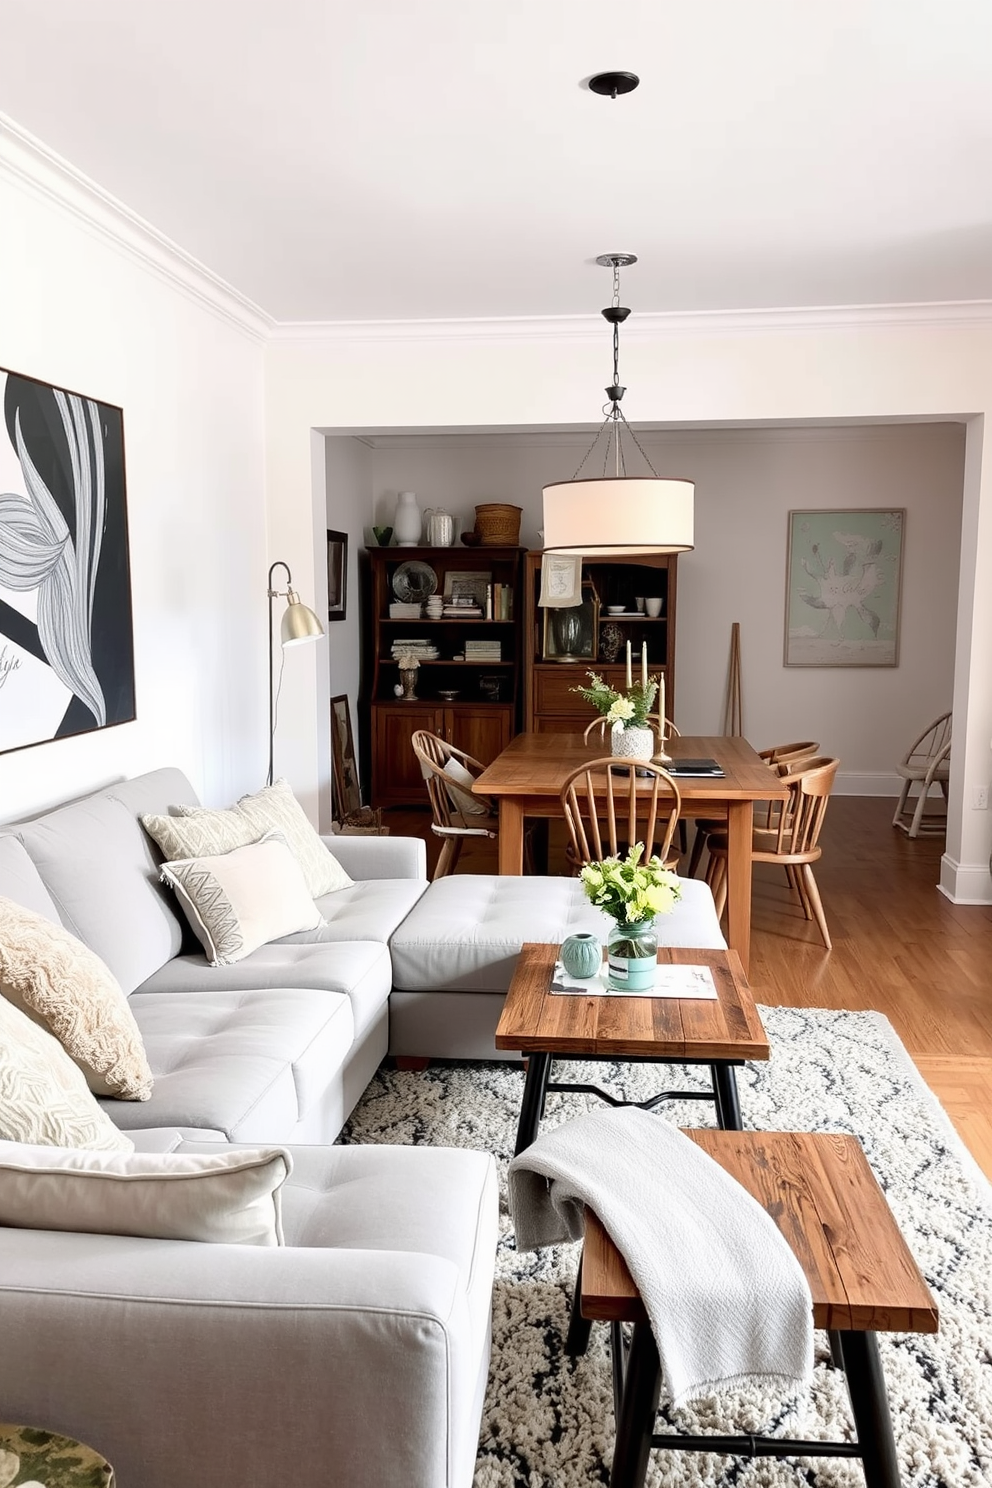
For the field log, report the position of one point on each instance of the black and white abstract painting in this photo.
(66, 642)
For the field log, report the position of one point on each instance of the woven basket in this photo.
(498, 524)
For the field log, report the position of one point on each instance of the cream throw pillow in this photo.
(197, 831)
(463, 800)
(43, 1096)
(240, 900)
(226, 1198)
(65, 987)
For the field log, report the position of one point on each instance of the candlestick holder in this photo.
(660, 757)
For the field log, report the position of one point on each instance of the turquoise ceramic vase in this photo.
(632, 955)
(582, 955)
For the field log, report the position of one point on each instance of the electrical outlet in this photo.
(980, 798)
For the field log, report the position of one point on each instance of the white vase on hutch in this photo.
(407, 524)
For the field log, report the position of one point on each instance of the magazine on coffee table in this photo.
(670, 981)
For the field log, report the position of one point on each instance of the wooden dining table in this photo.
(526, 780)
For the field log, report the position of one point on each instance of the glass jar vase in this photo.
(632, 956)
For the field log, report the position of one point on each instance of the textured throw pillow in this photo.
(241, 900)
(64, 986)
(224, 1198)
(463, 800)
(44, 1099)
(196, 831)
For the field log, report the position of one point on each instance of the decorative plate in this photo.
(414, 581)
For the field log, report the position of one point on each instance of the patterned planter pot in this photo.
(582, 954)
(632, 743)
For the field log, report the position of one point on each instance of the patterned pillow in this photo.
(64, 986)
(197, 831)
(43, 1096)
(241, 900)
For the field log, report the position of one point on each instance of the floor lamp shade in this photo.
(618, 515)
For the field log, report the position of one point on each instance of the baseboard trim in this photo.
(965, 883)
(867, 783)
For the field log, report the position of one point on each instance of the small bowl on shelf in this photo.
(448, 694)
(616, 609)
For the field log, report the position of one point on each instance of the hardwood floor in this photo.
(899, 947)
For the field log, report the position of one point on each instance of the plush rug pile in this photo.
(548, 1421)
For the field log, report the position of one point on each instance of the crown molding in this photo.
(643, 326)
(29, 163)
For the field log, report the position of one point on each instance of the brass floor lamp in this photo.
(299, 624)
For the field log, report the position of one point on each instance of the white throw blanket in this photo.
(728, 1302)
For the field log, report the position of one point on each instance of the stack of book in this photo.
(421, 648)
(499, 602)
(399, 610)
(462, 609)
(483, 651)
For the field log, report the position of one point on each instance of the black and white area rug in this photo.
(548, 1421)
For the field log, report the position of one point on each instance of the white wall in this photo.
(746, 483)
(79, 311)
(751, 370)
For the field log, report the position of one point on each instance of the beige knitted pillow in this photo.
(64, 986)
(43, 1096)
(199, 831)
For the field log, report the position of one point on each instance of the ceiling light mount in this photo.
(612, 84)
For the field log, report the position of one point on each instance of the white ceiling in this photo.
(406, 159)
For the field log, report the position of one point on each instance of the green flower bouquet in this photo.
(632, 893)
(630, 709)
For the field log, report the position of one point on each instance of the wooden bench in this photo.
(823, 1196)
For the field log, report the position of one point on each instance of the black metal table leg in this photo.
(532, 1104)
(579, 1328)
(728, 1106)
(866, 1387)
(635, 1425)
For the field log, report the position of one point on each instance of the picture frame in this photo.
(64, 480)
(347, 794)
(466, 584)
(843, 586)
(337, 575)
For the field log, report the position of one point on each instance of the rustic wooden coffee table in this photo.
(661, 1030)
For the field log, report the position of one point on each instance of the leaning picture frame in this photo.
(344, 768)
(843, 587)
(337, 575)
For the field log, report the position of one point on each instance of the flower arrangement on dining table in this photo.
(627, 709)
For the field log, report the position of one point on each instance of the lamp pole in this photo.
(274, 594)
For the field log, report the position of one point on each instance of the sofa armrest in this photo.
(248, 1364)
(380, 857)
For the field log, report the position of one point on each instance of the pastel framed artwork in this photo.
(843, 587)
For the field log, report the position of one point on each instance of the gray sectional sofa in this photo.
(232, 1366)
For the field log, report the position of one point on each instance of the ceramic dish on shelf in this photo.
(616, 609)
(414, 581)
(448, 693)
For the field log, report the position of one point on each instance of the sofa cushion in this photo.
(360, 970)
(198, 831)
(237, 901)
(21, 881)
(247, 1063)
(44, 1098)
(101, 870)
(223, 1198)
(65, 987)
(366, 911)
(465, 933)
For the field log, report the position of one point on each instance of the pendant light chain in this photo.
(611, 425)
